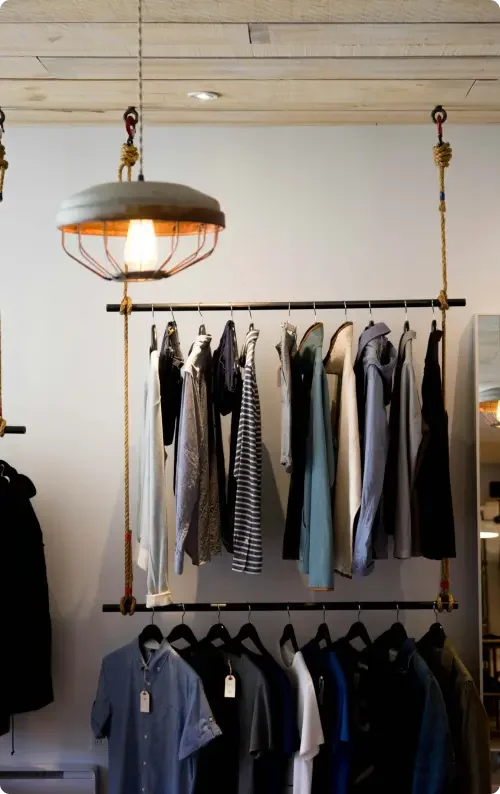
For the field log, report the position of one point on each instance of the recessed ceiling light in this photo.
(204, 96)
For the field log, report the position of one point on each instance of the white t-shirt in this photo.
(309, 722)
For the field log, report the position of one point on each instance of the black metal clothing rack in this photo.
(419, 303)
(18, 430)
(284, 606)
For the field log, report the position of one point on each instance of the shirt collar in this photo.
(379, 329)
(157, 658)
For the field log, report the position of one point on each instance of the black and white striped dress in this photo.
(247, 555)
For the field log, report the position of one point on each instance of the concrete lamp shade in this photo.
(175, 211)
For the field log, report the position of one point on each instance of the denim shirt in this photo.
(316, 538)
(155, 752)
(374, 367)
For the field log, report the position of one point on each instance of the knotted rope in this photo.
(127, 603)
(442, 157)
(129, 155)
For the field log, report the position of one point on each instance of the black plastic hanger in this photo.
(219, 632)
(182, 632)
(289, 634)
(358, 631)
(323, 633)
(394, 638)
(151, 632)
(249, 632)
(436, 634)
(154, 334)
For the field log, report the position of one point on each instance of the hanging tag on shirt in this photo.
(230, 687)
(145, 702)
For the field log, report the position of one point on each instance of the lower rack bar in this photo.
(18, 430)
(284, 306)
(283, 606)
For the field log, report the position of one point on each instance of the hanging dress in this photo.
(247, 540)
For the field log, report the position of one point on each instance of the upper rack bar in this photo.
(279, 606)
(419, 303)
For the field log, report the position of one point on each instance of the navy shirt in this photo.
(155, 752)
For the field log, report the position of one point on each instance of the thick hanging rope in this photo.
(3, 162)
(129, 152)
(127, 603)
(442, 157)
(129, 157)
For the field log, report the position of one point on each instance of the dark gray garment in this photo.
(155, 752)
(405, 435)
(198, 530)
(254, 703)
(287, 348)
(374, 368)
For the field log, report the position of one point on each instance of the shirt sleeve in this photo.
(188, 467)
(101, 710)
(199, 726)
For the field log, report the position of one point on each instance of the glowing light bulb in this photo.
(498, 411)
(141, 248)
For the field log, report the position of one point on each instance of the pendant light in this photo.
(140, 212)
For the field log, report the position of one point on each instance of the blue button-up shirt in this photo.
(155, 752)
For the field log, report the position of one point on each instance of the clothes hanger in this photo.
(394, 637)
(154, 335)
(358, 631)
(406, 326)
(323, 632)
(371, 323)
(151, 633)
(202, 329)
(183, 632)
(249, 632)
(251, 326)
(219, 632)
(436, 634)
(289, 634)
(434, 323)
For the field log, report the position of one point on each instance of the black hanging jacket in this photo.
(433, 527)
(25, 629)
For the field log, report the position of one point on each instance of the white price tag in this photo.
(145, 704)
(230, 687)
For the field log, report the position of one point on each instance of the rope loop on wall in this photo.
(443, 153)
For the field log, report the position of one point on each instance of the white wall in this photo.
(312, 214)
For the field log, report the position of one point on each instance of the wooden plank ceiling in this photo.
(271, 61)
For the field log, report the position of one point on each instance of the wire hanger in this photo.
(345, 312)
(314, 310)
(251, 326)
(407, 324)
(358, 631)
(219, 632)
(371, 323)
(151, 633)
(323, 632)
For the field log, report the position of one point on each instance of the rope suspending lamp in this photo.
(442, 157)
